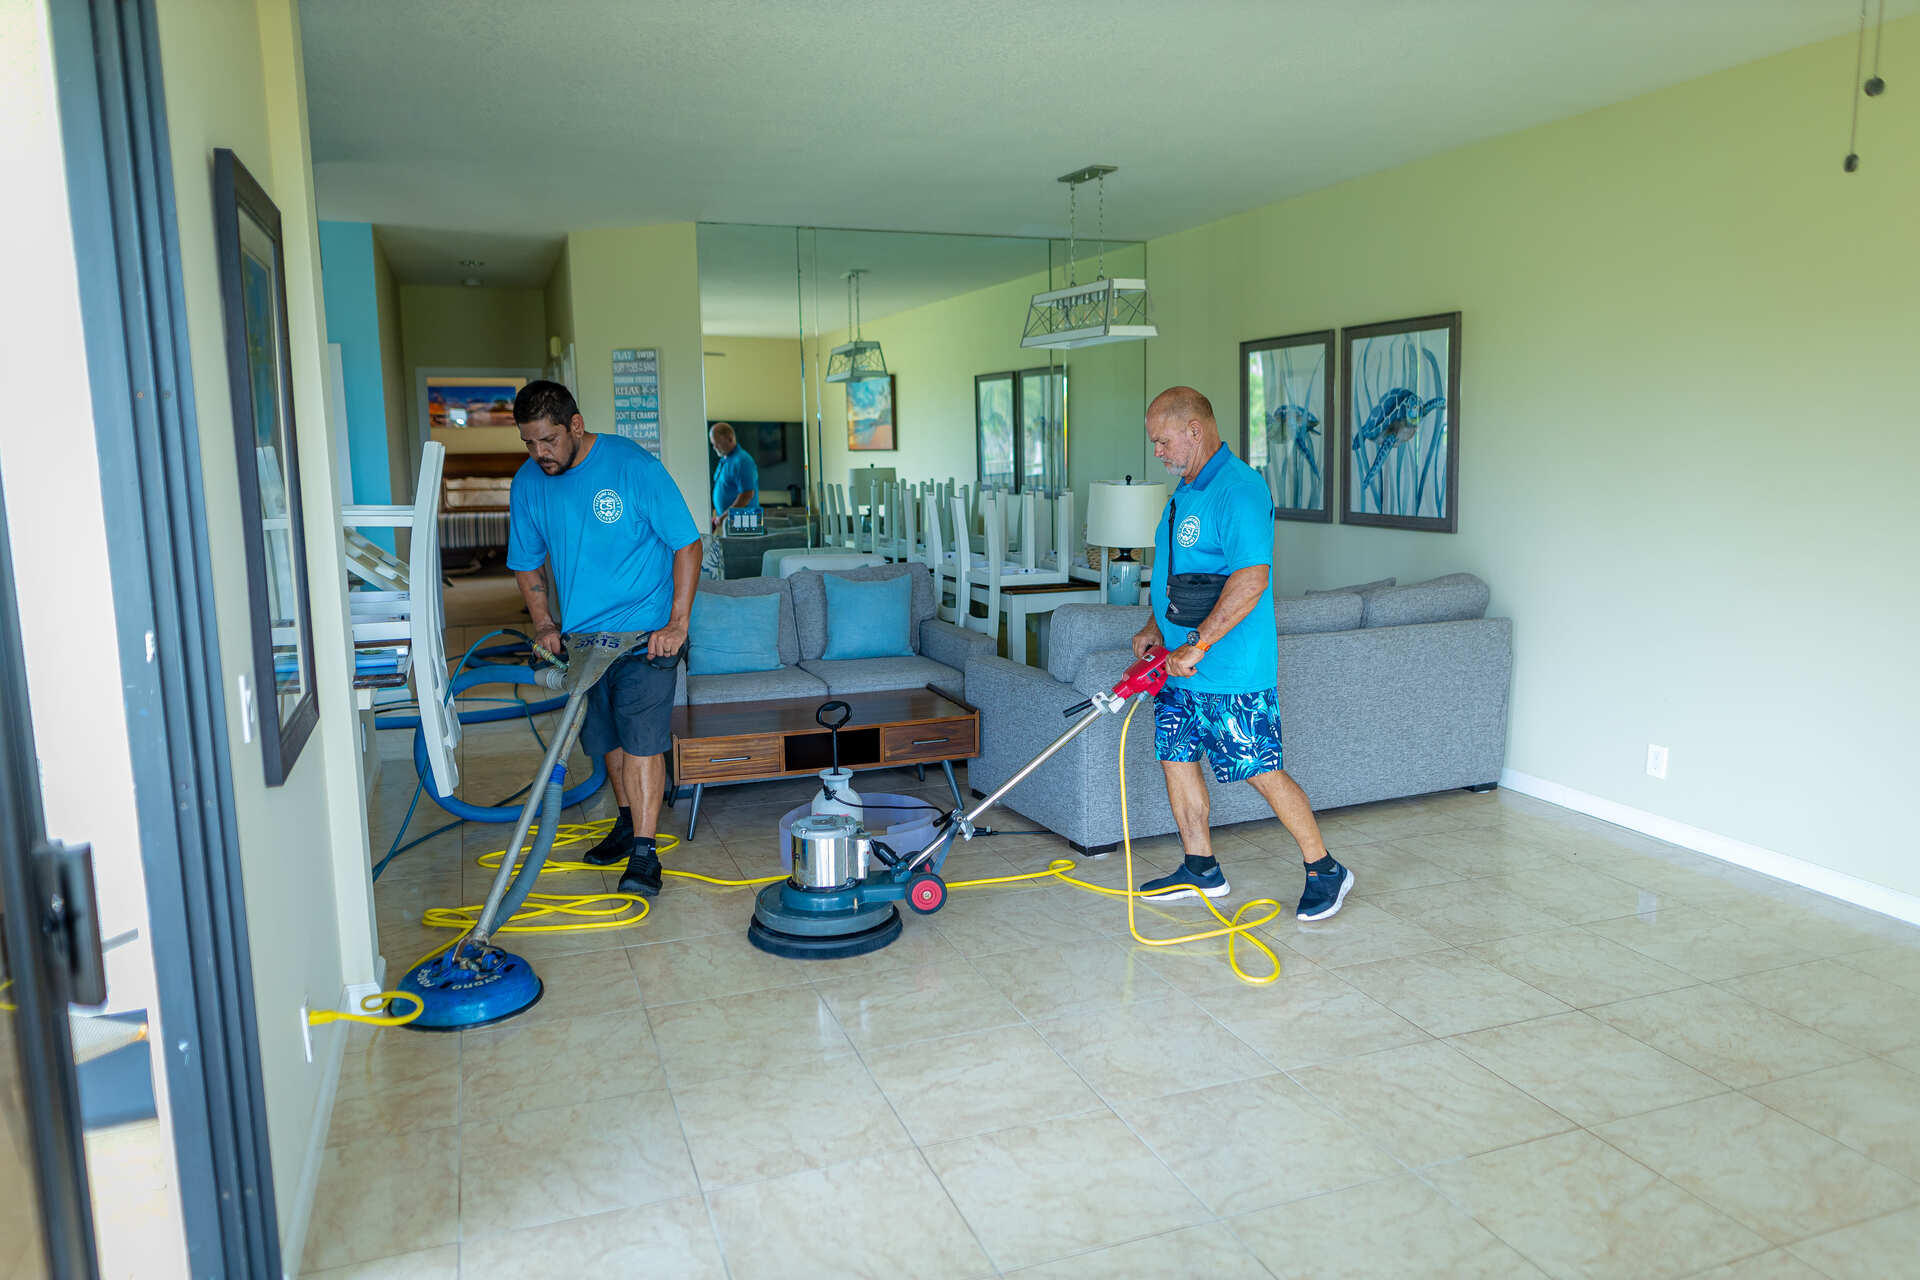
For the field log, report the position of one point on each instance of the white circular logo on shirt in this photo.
(1189, 531)
(607, 506)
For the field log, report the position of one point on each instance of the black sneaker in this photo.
(1182, 883)
(643, 874)
(1326, 889)
(617, 845)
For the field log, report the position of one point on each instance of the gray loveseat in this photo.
(941, 650)
(1391, 691)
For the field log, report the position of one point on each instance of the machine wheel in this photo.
(926, 893)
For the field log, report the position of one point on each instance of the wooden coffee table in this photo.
(779, 738)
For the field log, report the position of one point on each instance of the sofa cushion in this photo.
(754, 686)
(870, 675)
(868, 619)
(810, 600)
(789, 630)
(1076, 630)
(1358, 588)
(1303, 615)
(733, 634)
(1456, 597)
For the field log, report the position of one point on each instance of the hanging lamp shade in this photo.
(852, 361)
(855, 360)
(1087, 315)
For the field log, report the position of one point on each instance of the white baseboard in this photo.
(1781, 866)
(293, 1241)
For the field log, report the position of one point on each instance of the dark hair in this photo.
(542, 399)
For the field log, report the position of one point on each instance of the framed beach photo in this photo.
(1286, 388)
(870, 414)
(1400, 424)
(993, 422)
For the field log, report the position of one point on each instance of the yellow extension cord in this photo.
(584, 911)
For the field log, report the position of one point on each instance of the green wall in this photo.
(1688, 463)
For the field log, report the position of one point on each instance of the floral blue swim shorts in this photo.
(1239, 733)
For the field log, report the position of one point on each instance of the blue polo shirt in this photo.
(611, 524)
(1222, 521)
(734, 475)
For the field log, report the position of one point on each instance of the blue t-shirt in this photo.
(611, 524)
(1222, 522)
(734, 475)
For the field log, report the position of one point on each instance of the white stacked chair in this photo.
(936, 560)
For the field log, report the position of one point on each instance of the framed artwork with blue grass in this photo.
(1400, 424)
(1286, 388)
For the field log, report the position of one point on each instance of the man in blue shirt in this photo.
(736, 478)
(1213, 560)
(625, 555)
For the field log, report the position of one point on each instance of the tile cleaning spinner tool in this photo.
(474, 983)
(837, 902)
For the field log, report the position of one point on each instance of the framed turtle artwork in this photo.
(1400, 424)
(1286, 386)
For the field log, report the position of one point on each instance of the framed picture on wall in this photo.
(1042, 398)
(993, 422)
(253, 296)
(449, 399)
(471, 401)
(870, 423)
(1400, 424)
(1286, 385)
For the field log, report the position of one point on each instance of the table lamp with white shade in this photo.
(1123, 516)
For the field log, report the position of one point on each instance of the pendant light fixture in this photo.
(854, 361)
(1086, 315)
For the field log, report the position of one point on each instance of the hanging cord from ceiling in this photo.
(1873, 86)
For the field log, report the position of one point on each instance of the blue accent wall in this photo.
(353, 321)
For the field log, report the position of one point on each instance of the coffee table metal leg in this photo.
(957, 801)
(693, 815)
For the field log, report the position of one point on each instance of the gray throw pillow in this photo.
(810, 600)
(1330, 611)
(1358, 588)
(1455, 598)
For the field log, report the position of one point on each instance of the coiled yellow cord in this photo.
(1234, 929)
(372, 1017)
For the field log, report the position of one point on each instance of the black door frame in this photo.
(39, 1003)
(120, 194)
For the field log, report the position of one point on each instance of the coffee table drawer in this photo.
(708, 759)
(941, 740)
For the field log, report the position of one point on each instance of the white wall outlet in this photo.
(306, 1032)
(1656, 761)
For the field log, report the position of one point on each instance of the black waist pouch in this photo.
(1191, 596)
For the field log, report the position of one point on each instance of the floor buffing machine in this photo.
(474, 982)
(837, 902)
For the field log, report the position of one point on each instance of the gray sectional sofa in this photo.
(1385, 691)
(941, 650)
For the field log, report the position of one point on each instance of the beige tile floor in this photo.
(1531, 1044)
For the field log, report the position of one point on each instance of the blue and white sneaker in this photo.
(1188, 884)
(1327, 887)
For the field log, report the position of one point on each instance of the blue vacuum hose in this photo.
(466, 680)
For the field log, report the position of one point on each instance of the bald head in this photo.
(1183, 404)
(722, 437)
(1181, 428)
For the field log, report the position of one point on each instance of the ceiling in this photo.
(749, 286)
(515, 119)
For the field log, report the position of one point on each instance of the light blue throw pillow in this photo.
(869, 619)
(730, 634)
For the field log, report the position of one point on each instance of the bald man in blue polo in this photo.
(1212, 565)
